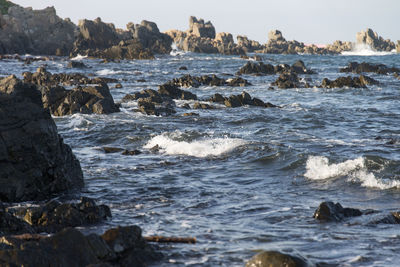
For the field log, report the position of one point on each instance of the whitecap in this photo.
(365, 50)
(199, 148)
(368, 179)
(78, 57)
(175, 51)
(79, 123)
(318, 168)
(105, 72)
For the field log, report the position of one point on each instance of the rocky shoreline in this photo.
(42, 32)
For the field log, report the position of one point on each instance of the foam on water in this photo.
(78, 57)
(176, 51)
(365, 50)
(105, 72)
(78, 122)
(318, 168)
(198, 148)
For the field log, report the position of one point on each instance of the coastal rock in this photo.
(338, 47)
(34, 161)
(289, 79)
(398, 47)
(10, 224)
(376, 42)
(200, 28)
(226, 45)
(189, 81)
(256, 68)
(328, 211)
(276, 259)
(277, 44)
(354, 82)
(76, 65)
(123, 246)
(248, 45)
(129, 50)
(23, 30)
(356, 67)
(149, 36)
(235, 101)
(54, 216)
(275, 35)
(61, 102)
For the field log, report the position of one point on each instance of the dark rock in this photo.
(190, 114)
(185, 81)
(109, 150)
(300, 68)
(217, 98)
(174, 92)
(353, 82)
(257, 68)
(131, 152)
(10, 224)
(54, 216)
(118, 86)
(34, 161)
(248, 45)
(238, 81)
(42, 32)
(198, 105)
(183, 68)
(129, 49)
(76, 65)
(123, 246)
(287, 80)
(358, 68)
(276, 259)
(328, 211)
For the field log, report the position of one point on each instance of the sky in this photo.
(308, 21)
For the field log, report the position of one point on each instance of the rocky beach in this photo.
(136, 147)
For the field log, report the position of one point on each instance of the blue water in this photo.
(245, 179)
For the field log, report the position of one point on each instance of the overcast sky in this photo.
(308, 21)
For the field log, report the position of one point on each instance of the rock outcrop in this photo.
(348, 81)
(398, 47)
(34, 161)
(248, 45)
(329, 211)
(201, 38)
(260, 68)
(208, 80)
(23, 30)
(276, 259)
(376, 42)
(122, 246)
(358, 68)
(60, 101)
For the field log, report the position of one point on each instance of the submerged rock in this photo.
(276, 259)
(76, 65)
(34, 161)
(243, 99)
(289, 79)
(328, 211)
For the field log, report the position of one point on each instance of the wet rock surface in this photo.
(354, 82)
(208, 80)
(60, 101)
(358, 68)
(260, 68)
(276, 259)
(329, 211)
(122, 246)
(34, 161)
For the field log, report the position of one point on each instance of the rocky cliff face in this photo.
(23, 30)
(34, 161)
(371, 38)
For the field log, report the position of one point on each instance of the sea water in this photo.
(245, 179)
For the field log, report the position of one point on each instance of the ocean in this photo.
(245, 179)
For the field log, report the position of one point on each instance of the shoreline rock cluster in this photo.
(42, 32)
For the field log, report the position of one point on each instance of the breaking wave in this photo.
(365, 50)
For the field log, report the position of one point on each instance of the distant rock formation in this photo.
(34, 161)
(248, 45)
(398, 47)
(23, 30)
(201, 38)
(376, 42)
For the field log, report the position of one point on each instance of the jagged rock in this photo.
(200, 28)
(23, 30)
(61, 102)
(129, 49)
(76, 65)
(289, 80)
(300, 68)
(9, 224)
(213, 80)
(256, 68)
(54, 216)
(338, 47)
(275, 35)
(398, 47)
(174, 92)
(354, 82)
(148, 34)
(234, 101)
(356, 67)
(248, 45)
(34, 161)
(237, 81)
(198, 105)
(276, 259)
(122, 246)
(328, 211)
(371, 38)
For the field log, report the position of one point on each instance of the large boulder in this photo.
(34, 161)
(329, 211)
(23, 30)
(148, 34)
(276, 259)
(200, 28)
(371, 38)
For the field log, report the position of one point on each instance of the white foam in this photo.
(105, 72)
(78, 122)
(365, 50)
(78, 57)
(198, 148)
(318, 168)
(176, 51)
